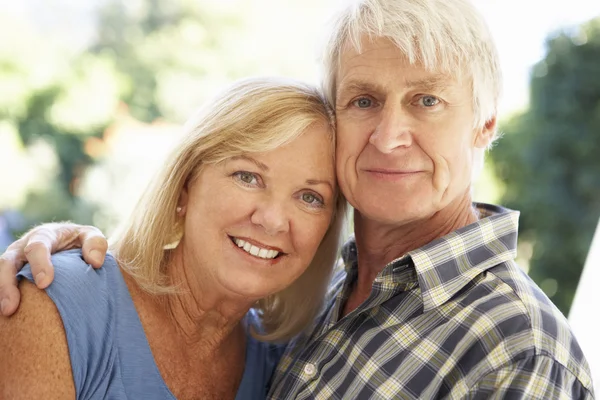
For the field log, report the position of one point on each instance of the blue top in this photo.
(110, 355)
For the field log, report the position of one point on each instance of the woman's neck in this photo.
(199, 352)
(198, 314)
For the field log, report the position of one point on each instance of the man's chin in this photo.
(395, 213)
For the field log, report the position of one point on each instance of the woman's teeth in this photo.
(254, 250)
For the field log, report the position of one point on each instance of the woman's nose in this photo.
(272, 217)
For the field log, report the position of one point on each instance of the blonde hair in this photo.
(449, 36)
(253, 115)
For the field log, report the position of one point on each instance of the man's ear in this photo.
(485, 134)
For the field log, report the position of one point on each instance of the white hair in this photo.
(448, 36)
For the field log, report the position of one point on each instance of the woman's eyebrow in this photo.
(259, 164)
(319, 182)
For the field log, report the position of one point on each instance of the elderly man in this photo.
(430, 303)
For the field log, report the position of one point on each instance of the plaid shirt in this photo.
(455, 319)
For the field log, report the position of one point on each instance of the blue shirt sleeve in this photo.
(81, 295)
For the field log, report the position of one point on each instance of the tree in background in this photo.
(169, 53)
(549, 159)
(157, 59)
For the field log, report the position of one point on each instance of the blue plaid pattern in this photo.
(455, 319)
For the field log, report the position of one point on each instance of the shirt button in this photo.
(310, 369)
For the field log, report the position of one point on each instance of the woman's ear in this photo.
(182, 202)
(485, 135)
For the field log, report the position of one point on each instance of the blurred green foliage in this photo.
(157, 57)
(163, 48)
(549, 159)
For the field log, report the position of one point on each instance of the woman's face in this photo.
(254, 223)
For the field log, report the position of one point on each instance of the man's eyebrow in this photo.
(437, 82)
(260, 165)
(356, 87)
(432, 83)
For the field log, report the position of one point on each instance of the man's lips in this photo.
(391, 174)
(386, 171)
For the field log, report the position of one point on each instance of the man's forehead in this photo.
(424, 79)
(367, 65)
(371, 54)
(370, 48)
(366, 78)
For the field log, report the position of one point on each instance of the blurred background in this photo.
(92, 94)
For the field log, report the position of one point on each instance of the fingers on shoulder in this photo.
(37, 248)
(52, 237)
(14, 256)
(94, 245)
(93, 237)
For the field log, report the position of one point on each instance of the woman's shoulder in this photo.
(87, 304)
(80, 291)
(70, 267)
(86, 298)
(34, 351)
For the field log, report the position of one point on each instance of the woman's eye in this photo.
(311, 199)
(429, 101)
(246, 177)
(363, 102)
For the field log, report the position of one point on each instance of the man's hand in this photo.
(35, 248)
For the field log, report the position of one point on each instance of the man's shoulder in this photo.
(507, 285)
(509, 311)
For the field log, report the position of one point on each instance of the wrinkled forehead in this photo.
(367, 57)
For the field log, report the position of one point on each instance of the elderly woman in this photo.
(228, 252)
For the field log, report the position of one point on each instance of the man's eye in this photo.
(429, 101)
(362, 102)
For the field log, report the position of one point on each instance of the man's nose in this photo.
(393, 131)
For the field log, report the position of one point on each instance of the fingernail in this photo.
(95, 256)
(39, 278)
(3, 306)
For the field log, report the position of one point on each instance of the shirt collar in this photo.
(444, 266)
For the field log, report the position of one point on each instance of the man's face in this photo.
(405, 136)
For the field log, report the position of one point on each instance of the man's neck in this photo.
(379, 244)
